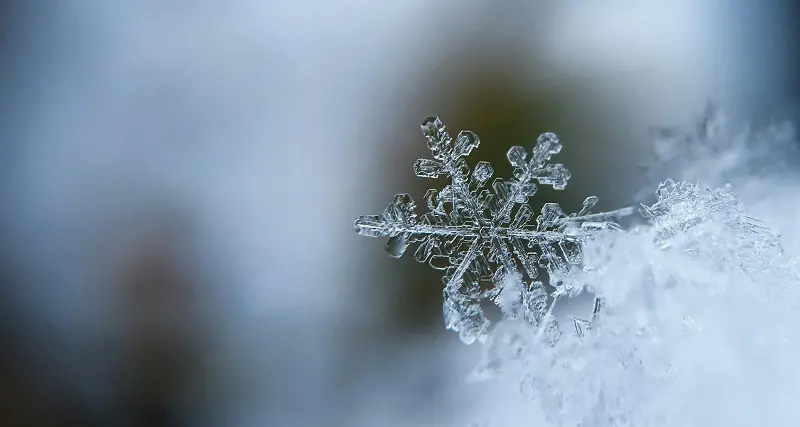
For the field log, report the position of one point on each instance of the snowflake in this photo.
(694, 308)
(485, 237)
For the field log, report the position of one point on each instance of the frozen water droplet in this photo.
(396, 245)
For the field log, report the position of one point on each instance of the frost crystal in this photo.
(486, 238)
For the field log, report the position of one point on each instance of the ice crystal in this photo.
(479, 232)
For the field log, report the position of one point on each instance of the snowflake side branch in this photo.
(450, 160)
(546, 146)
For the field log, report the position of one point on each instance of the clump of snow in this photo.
(698, 319)
(697, 325)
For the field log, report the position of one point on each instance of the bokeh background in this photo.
(179, 181)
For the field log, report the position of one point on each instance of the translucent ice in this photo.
(478, 233)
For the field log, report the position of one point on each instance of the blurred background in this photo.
(180, 178)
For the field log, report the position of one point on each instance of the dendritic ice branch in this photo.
(482, 234)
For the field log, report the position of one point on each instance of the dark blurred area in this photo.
(180, 180)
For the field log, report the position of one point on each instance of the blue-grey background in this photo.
(179, 181)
